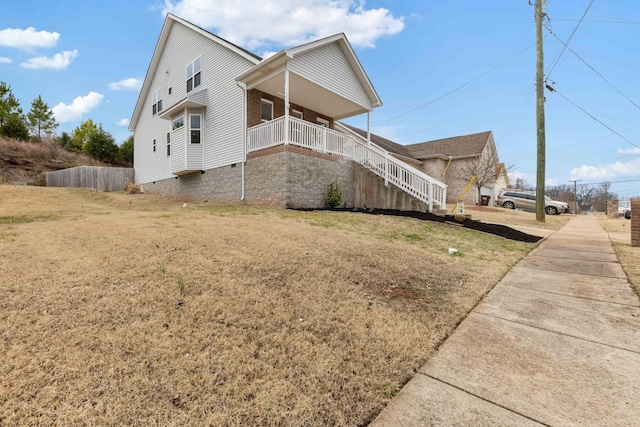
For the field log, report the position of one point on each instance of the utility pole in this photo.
(575, 193)
(540, 12)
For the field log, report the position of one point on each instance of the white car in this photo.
(623, 207)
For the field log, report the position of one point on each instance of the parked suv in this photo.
(527, 200)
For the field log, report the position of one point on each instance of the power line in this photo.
(591, 68)
(459, 87)
(568, 41)
(590, 115)
(600, 21)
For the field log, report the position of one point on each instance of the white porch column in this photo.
(368, 127)
(286, 104)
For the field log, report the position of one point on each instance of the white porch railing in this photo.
(318, 138)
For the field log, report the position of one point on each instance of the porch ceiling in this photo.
(308, 94)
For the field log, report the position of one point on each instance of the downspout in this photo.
(243, 86)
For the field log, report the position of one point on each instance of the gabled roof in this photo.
(457, 146)
(384, 143)
(169, 21)
(279, 59)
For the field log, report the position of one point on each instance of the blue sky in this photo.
(87, 60)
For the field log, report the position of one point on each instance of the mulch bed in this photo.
(496, 229)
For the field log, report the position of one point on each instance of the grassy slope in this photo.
(22, 162)
(130, 310)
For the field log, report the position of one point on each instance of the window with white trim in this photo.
(194, 74)
(322, 122)
(177, 123)
(154, 145)
(168, 144)
(297, 114)
(157, 101)
(267, 110)
(169, 87)
(195, 122)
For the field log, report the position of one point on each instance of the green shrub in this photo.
(334, 196)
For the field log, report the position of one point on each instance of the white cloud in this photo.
(629, 151)
(130, 83)
(79, 106)
(288, 22)
(4, 60)
(59, 61)
(27, 39)
(605, 172)
(123, 122)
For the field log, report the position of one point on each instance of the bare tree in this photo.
(484, 167)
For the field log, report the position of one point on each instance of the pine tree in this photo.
(14, 127)
(9, 105)
(80, 135)
(41, 118)
(102, 146)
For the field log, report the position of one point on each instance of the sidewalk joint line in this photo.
(556, 332)
(573, 296)
(579, 274)
(485, 400)
(574, 259)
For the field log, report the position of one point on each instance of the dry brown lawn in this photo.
(619, 230)
(121, 309)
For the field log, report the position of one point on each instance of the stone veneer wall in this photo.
(292, 177)
(635, 221)
(221, 185)
(287, 176)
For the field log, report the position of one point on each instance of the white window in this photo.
(168, 143)
(169, 87)
(322, 122)
(297, 114)
(267, 111)
(157, 101)
(195, 128)
(177, 123)
(193, 74)
(154, 145)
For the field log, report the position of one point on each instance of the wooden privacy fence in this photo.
(96, 177)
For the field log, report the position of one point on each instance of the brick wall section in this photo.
(254, 109)
(635, 222)
(370, 192)
(612, 209)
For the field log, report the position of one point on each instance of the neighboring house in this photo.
(216, 122)
(456, 160)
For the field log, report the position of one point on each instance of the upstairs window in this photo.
(195, 128)
(267, 111)
(154, 145)
(169, 87)
(168, 143)
(177, 123)
(157, 101)
(297, 114)
(193, 74)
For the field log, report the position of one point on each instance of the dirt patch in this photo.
(119, 309)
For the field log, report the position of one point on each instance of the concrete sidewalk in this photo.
(556, 342)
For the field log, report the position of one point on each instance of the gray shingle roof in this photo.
(457, 146)
(384, 143)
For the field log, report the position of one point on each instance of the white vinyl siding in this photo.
(222, 119)
(328, 66)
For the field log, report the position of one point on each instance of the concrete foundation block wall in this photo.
(370, 192)
(220, 184)
(294, 177)
(289, 177)
(635, 222)
(612, 208)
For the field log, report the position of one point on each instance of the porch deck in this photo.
(318, 138)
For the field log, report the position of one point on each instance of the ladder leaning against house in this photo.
(305, 134)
